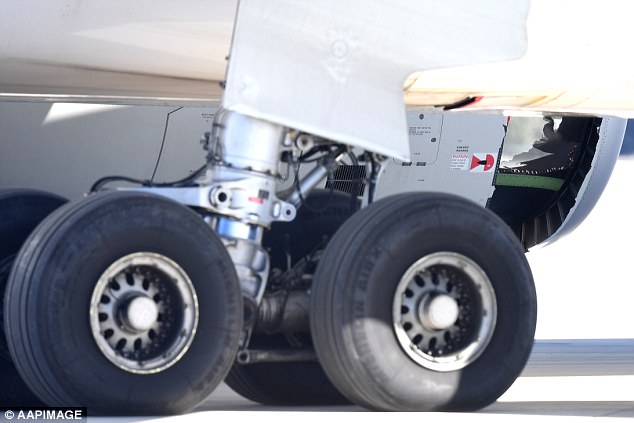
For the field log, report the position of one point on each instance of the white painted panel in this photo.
(455, 153)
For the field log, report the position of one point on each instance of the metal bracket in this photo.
(239, 199)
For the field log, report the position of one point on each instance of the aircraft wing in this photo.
(115, 52)
(337, 69)
(573, 57)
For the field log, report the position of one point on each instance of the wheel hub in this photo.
(438, 311)
(140, 314)
(144, 313)
(444, 311)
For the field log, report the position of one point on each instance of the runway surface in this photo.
(582, 366)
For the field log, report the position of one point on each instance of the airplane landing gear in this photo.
(423, 302)
(131, 302)
(124, 303)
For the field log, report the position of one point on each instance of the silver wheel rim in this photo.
(144, 313)
(423, 313)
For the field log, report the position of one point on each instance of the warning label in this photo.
(459, 161)
(476, 162)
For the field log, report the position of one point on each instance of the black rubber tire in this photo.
(21, 210)
(354, 286)
(49, 293)
(295, 383)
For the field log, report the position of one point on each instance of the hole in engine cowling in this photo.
(543, 165)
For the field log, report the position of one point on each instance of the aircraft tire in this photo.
(423, 302)
(294, 383)
(21, 210)
(124, 303)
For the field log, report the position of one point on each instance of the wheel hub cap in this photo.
(141, 313)
(438, 312)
